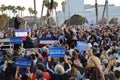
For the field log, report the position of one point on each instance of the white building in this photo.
(77, 7)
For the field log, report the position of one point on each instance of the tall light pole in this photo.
(96, 9)
(68, 11)
(42, 12)
(107, 16)
(35, 11)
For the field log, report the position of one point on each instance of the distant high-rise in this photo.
(77, 7)
(74, 6)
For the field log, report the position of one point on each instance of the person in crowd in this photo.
(73, 78)
(16, 22)
(41, 67)
(72, 48)
(75, 73)
(93, 70)
(24, 77)
(99, 62)
(29, 42)
(39, 75)
(117, 70)
(59, 73)
(69, 36)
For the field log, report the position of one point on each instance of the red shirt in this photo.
(46, 75)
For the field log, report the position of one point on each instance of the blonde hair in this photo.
(95, 60)
(59, 69)
(104, 53)
(73, 72)
(89, 53)
(74, 54)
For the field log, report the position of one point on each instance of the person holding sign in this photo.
(59, 73)
(24, 77)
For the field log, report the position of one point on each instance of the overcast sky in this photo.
(29, 3)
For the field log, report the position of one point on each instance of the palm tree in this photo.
(34, 11)
(30, 11)
(42, 8)
(14, 11)
(63, 7)
(42, 11)
(22, 9)
(3, 20)
(18, 8)
(3, 8)
(55, 5)
(10, 8)
(46, 3)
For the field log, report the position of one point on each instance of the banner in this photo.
(23, 63)
(44, 42)
(47, 41)
(16, 40)
(82, 46)
(56, 52)
(21, 32)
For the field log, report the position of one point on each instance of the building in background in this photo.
(77, 7)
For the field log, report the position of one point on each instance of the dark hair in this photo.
(117, 74)
(39, 74)
(10, 77)
(72, 46)
(73, 78)
(39, 60)
(67, 52)
(24, 77)
(16, 54)
(41, 67)
(45, 54)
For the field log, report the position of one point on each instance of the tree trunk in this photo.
(35, 11)
(96, 9)
(56, 18)
(42, 12)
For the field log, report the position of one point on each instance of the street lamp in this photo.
(96, 9)
(107, 17)
(35, 11)
(68, 12)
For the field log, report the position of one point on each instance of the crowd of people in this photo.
(100, 61)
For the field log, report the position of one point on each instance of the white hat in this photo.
(95, 44)
(89, 44)
(116, 68)
(118, 60)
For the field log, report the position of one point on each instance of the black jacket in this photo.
(16, 23)
(28, 43)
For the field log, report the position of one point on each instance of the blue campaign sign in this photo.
(82, 46)
(23, 63)
(56, 52)
(16, 40)
(86, 25)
